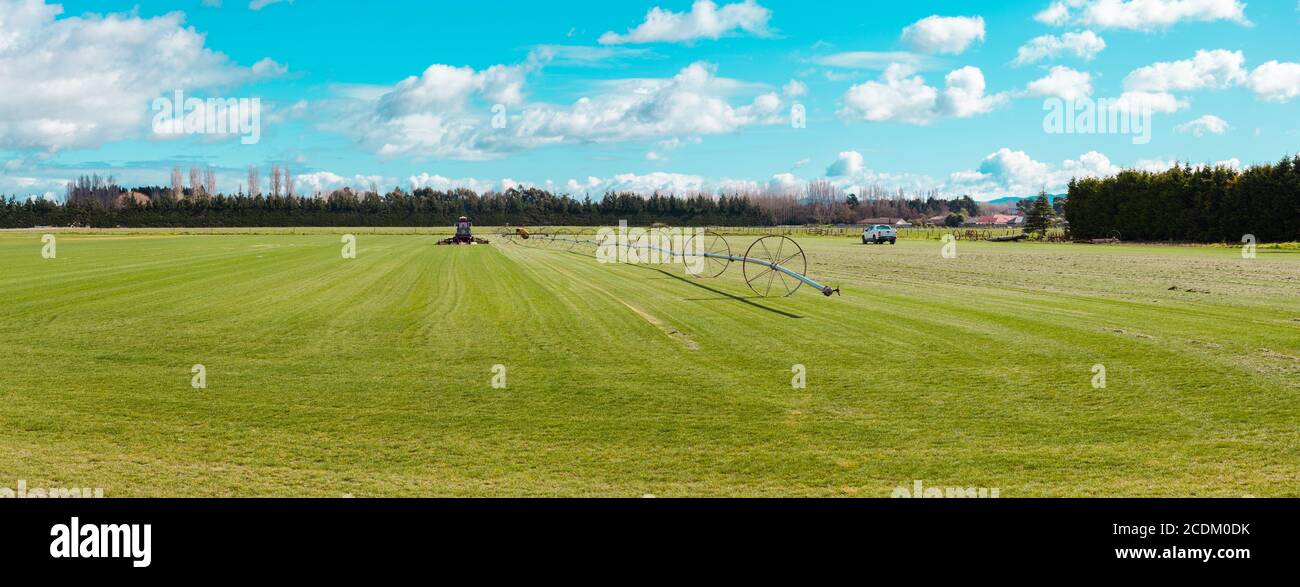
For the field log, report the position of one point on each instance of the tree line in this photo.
(1190, 204)
(99, 203)
(1184, 203)
(158, 207)
(822, 202)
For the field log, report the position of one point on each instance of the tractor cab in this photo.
(464, 234)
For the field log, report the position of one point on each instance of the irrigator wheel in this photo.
(570, 240)
(766, 281)
(661, 236)
(608, 240)
(558, 240)
(714, 244)
(586, 242)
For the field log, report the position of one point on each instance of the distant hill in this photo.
(1013, 200)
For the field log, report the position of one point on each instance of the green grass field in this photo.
(371, 376)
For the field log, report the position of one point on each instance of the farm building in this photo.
(997, 220)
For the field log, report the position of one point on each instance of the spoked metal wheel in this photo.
(661, 237)
(559, 240)
(767, 280)
(608, 239)
(586, 242)
(570, 240)
(715, 250)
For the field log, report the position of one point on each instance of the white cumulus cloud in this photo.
(1156, 102)
(902, 96)
(1208, 124)
(1272, 81)
(448, 112)
(705, 21)
(784, 182)
(1010, 172)
(794, 89)
(74, 82)
(324, 182)
(1084, 44)
(676, 183)
(442, 183)
(849, 163)
(1141, 15)
(1207, 70)
(1276, 81)
(944, 34)
(1062, 82)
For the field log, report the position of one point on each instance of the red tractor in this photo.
(463, 235)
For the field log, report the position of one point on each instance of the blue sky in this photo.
(608, 95)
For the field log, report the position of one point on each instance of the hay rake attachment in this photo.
(773, 265)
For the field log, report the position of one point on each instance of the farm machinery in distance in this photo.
(464, 235)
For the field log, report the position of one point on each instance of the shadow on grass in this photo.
(722, 294)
